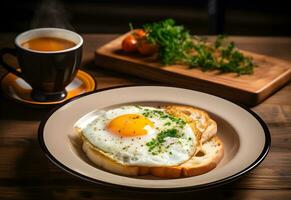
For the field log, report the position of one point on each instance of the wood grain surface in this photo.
(269, 75)
(25, 173)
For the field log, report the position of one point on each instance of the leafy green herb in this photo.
(177, 46)
(167, 124)
(155, 145)
(162, 115)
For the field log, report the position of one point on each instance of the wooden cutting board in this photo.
(269, 75)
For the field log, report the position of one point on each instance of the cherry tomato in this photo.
(129, 44)
(139, 33)
(146, 48)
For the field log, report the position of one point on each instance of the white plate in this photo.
(245, 136)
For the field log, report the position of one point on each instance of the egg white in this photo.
(134, 151)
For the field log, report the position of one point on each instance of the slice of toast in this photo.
(209, 153)
(207, 159)
(199, 119)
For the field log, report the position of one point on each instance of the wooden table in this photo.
(25, 173)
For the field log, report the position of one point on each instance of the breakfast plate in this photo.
(245, 137)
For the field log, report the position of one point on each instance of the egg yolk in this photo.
(129, 125)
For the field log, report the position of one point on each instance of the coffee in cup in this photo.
(48, 44)
(49, 59)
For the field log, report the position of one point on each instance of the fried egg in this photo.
(139, 136)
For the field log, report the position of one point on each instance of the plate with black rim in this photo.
(245, 136)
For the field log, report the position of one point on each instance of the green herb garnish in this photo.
(167, 124)
(177, 46)
(162, 115)
(155, 145)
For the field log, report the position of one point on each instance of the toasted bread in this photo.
(211, 153)
(208, 155)
(199, 120)
(207, 159)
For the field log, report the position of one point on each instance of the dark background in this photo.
(237, 17)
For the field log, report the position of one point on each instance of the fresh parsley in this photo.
(162, 115)
(178, 46)
(156, 144)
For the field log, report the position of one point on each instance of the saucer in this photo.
(17, 89)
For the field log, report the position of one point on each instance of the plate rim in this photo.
(225, 180)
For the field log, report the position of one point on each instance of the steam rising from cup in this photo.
(51, 13)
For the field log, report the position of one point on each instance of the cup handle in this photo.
(9, 68)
